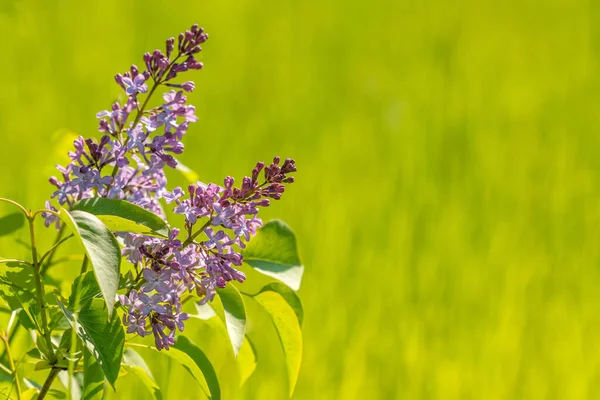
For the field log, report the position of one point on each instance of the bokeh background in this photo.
(447, 199)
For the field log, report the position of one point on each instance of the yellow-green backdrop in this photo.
(447, 198)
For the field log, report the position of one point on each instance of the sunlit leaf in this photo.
(135, 364)
(289, 296)
(246, 360)
(93, 377)
(104, 339)
(204, 311)
(288, 329)
(123, 216)
(193, 360)
(235, 315)
(86, 288)
(29, 394)
(102, 249)
(186, 346)
(17, 288)
(273, 252)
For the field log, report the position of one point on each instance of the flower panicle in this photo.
(128, 163)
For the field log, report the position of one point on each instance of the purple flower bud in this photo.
(119, 80)
(170, 45)
(188, 86)
(193, 64)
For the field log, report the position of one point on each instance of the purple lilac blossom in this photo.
(128, 163)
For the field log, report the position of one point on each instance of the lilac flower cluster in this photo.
(128, 163)
(171, 268)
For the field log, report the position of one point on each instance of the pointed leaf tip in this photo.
(273, 252)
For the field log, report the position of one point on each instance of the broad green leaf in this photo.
(17, 288)
(57, 319)
(188, 363)
(93, 377)
(135, 364)
(63, 351)
(87, 289)
(273, 252)
(10, 223)
(288, 330)
(199, 358)
(29, 394)
(104, 339)
(123, 216)
(42, 346)
(289, 296)
(235, 315)
(204, 311)
(246, 360)
(102, 249)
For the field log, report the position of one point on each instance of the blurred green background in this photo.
(446, 201)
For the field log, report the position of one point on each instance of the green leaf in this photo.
(289, 296)
(42, 346)
(246, 360)
(57, 319)
(93, 377)
(104, 339)
(123, 216)
(235, 315)
(29, 394)
(102, 249)
(273, 252)
(194, 352)
(288, 329)
(42, 365)
(10, 223)
(17, 288)
(135, 364)
(193, 360)
(86, 287)
(204, 311)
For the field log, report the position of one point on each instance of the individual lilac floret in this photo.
(135, 85)
(49, 217)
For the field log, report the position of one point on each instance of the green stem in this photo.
(48, 383)
(51, 256)
(51, 251)
(84, 265)
(12, 364)
(198, 232)
(39, 286)
(11, 337)
(14, 203)
(77, 297)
